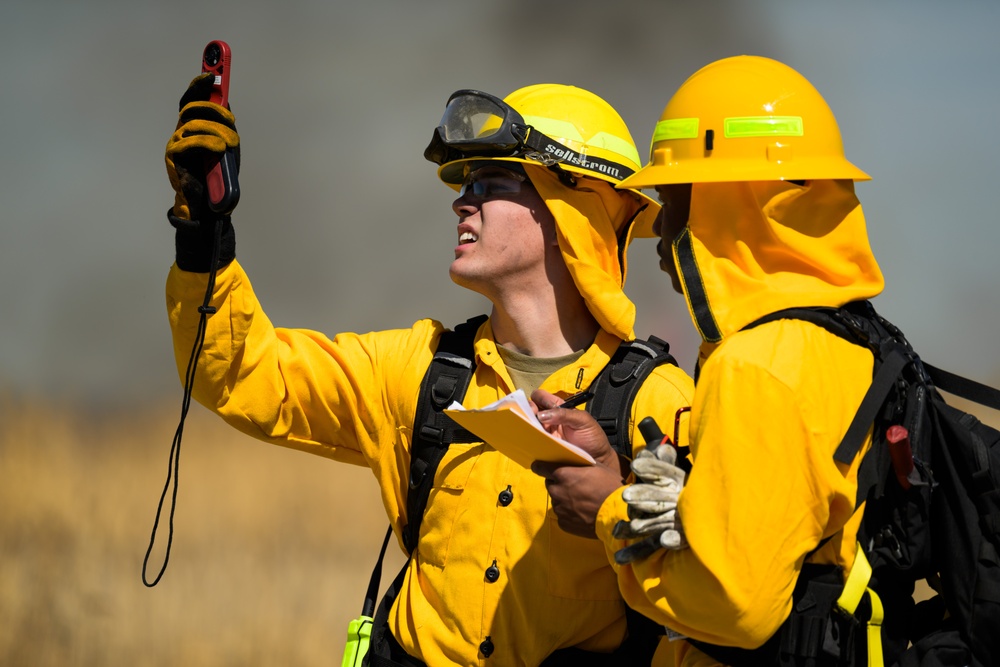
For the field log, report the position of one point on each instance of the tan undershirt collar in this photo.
(528, 373)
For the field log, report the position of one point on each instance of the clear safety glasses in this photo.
(492, 182)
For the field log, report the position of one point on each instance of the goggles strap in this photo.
(550, 152)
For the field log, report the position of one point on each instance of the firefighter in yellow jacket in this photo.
(759, 214)
(541, 232)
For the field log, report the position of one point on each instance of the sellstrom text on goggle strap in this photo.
(606, 167)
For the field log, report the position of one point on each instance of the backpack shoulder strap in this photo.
(820, 316)
(617, 384)
(446, 380)
(964, 387)
(615, 388)
(854, 324)
(858, 323)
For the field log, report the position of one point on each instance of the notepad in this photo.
(510, 426)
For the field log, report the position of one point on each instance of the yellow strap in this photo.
(854, 588)
(875, 632)
(856, 584)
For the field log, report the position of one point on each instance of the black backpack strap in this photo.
(964, 387)
(617, 384)
(615, 388)
(383, 650)
(371, 596)
(851, 328)
(446, 380)
(893, 361)
(858, 323)
(890, 360)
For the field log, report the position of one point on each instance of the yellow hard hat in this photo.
(544, 124)
(745, 118)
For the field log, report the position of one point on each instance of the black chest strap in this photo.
(618, 383)
(446, 380)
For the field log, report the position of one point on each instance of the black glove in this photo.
(203, 129)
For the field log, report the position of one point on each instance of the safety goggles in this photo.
(477, 124)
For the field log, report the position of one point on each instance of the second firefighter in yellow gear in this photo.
(775, 225)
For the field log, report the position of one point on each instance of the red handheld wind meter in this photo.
(216, 60)
(220, 171)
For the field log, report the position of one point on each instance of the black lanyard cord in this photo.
(173, 465)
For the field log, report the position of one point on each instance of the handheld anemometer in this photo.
(220, 171)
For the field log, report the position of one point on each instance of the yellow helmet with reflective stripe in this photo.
(564, 125)
(745, 118)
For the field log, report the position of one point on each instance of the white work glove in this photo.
(652, 506)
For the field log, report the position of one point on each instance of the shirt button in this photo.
(486, 647)
(492, 572)
(506, 496)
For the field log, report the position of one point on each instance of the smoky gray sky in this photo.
(344, 227)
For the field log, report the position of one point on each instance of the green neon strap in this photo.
(763, 126)
(676, 128)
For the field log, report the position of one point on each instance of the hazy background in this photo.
(344, 226)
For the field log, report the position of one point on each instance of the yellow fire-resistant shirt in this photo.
(352, 399)
(771, 406)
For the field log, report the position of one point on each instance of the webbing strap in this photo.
(875, 658)
(447, 379)
(964, 387)
(855, 588)
(892, 356)
(892, 365)
(616, 386)
(371, 596)
(857, 582)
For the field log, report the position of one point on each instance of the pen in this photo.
(577, 399)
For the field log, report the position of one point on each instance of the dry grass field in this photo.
(271, 556)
